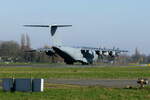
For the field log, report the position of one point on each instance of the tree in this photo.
(25, 46)
(23, 41)
(10, 50)
(28, 44)
(137, 57)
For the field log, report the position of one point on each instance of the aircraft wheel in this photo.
(69, 62)
(83, 63)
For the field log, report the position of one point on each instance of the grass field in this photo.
(56, 92)
(130, 72)
(73, 92)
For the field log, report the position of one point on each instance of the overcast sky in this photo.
(120, 23)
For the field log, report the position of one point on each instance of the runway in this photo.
(60, 65)
(118, 83)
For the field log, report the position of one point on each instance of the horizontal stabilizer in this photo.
(36, 25)
(53, 27)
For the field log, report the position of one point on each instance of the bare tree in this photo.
(28, 44)
(23, 41)
(137, 57)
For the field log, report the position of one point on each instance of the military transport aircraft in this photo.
(85, 55)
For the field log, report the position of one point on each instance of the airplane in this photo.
(84, 55)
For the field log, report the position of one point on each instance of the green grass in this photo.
(21, 63)
(132, 72)
(73, 92)
(79, 93)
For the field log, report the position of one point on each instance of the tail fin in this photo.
(53, 29)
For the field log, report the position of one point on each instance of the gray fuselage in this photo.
(71, 54)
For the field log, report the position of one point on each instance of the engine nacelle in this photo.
(99, 53)
(112, 53)
(105, 53)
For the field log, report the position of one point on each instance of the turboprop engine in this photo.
(113, 53)
(105, 53)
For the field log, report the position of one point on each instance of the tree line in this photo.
(12, 51)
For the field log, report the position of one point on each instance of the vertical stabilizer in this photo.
(53, 29)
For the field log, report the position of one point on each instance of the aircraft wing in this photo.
(48, 51)
(105, 52)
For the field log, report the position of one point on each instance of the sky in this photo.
(124, 24)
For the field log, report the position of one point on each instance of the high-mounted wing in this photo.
(48, 51)
(105, 52)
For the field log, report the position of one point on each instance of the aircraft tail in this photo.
(53, 29)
